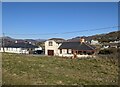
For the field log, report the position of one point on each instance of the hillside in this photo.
(112, 36)
(8, 39)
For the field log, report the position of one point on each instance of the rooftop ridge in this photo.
(89, 46)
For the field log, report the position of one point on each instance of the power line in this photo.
(66, 32)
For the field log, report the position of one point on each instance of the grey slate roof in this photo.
(20, 45)
(76, 46)
(58, 40)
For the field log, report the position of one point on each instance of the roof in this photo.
(58, 40)
(20, 45)
(76, 46)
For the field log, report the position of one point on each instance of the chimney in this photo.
(82, 40)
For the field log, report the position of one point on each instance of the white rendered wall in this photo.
(53, 47)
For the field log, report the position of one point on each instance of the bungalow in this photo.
(69, 49)
(76, 49)
(24, 48)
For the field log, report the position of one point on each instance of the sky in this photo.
(40, 20)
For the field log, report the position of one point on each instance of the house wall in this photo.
(14, 50)
(65, 54)
(53, 47)
(1, 49)
(70, 54)
(64, 51)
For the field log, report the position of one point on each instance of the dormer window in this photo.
(50, 44)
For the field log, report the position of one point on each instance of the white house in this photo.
(52, 45)
(94, 42)
(117, 41)
(24, 48)
(68, 49)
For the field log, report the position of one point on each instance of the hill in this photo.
(112, 36)
(8, 39)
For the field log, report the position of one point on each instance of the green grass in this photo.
(42, 70)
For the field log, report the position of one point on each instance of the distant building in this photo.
(94, 42)
(118, 41)
(110, 45)
(16, 47)
(105, 46)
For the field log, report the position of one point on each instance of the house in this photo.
(52, 45)
(69, 49)
(110, 45)
(117, 41)
(94, 42)
(78, 49)
(105, 46)
(24, 48)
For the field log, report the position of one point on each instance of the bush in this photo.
(105, 51)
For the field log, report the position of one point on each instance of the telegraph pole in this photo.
(3, 42)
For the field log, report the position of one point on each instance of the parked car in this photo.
(37, 52)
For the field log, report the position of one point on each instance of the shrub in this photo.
(105, 51)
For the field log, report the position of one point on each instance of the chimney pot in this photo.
(82, 40)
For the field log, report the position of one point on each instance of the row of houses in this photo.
(53, 47)
(57, 47)
(21, 48)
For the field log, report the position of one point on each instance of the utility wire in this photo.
(66, 32)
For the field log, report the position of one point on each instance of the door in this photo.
(51, 52)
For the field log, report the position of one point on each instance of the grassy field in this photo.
(36, 70)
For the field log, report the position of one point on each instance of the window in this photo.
(60, 51)
(80, 52)
(6, 48)
(68, 51)
(50, 44)
(84, 52)
(72, 51)
(28, 49)
(11, 49)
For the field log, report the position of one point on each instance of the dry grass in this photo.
(36, 70)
